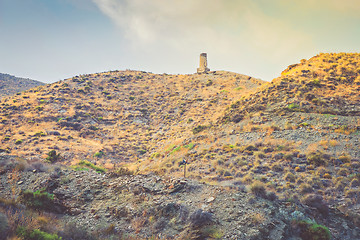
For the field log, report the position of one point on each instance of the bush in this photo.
(99, 154)
(317, 158)
(258, 189)
(313, 231)
(72, 231)
(293, 107)
(277, 167)
(199, 129)
(53, 156)
(343, 172)
(37, 200)
(305, 188)
(35, 234)
(290, 177)
(123, 171)
(92, 166)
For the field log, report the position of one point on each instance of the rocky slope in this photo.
(110, 206)
(10, 85)
(296, 138)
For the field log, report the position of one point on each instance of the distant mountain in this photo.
(10, 85)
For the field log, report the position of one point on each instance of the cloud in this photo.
(205, 21)
(226, 29)
(347, 7)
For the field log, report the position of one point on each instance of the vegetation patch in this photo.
(40, 199)
(92, 166)
(199, 128)
(35, 234)
(53, 156)
(312, 231)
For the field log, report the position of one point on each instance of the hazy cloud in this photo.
(348, 7)
(224, 28)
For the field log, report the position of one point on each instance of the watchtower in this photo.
(203, 64)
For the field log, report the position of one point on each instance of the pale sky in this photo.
(49, 40)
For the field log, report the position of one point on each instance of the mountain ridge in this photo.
(10, 84)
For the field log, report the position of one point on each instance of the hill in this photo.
(9, 85)
(293, 143)
(325, 84)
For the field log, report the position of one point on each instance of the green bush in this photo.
(35, 234)
(18, 142)
(313, 231)
(92, 166)
(53, 156)
(37, 200)
(99, 154)
(189, 146)
(293, 107)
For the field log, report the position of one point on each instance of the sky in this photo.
(50, 40)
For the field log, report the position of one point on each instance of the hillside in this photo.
(117, 116)
(292, 144)
(325, 84)
(9, 85)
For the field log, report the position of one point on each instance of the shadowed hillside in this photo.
(10, 85)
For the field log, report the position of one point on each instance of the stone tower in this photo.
(203, 64)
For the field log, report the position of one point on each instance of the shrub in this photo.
(18, 142)
(92, 166)
(189, 146)
(345, 158)
(199, 129)
(353, 194)
(258, 189)
(37, 200)
(293, 107)
(305, 188)
(313, 231)
(355, 183)
(317, 158)
(123, 171)
(35, 234)
(343, 172)
(98, 154)
(260, 155)
(73, 231)
(288, 157)
(53, 156)
(277, 167)
(271, 196)
(290, 177)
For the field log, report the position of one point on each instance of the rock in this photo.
(210, 199)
